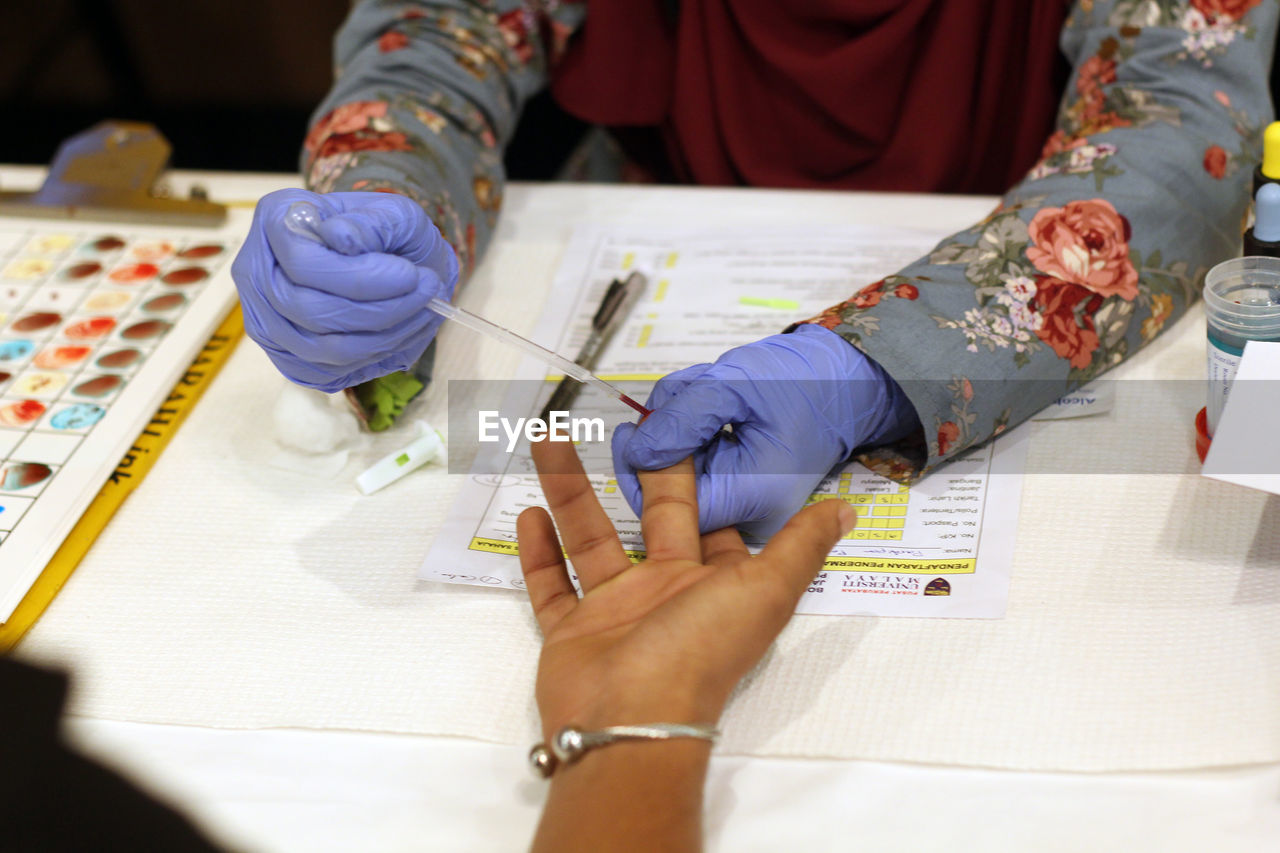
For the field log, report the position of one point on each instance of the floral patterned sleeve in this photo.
(1140, 189)
(426, 97)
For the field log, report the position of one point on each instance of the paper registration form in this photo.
(940, 547)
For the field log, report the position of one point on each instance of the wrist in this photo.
(633, 707)
(655, 760)
(633, 795)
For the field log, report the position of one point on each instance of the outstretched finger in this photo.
(669, 521)
(797, 551)
(587, 532)
(545, 575)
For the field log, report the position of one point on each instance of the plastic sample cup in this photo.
(1242, 303)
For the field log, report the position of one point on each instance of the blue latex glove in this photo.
(798, 405)
(330, 318)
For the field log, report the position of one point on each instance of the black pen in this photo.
(619, 299)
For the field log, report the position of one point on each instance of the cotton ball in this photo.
(305, 420)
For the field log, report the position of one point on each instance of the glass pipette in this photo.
(302, 218)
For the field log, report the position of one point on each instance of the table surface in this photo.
(335, 790)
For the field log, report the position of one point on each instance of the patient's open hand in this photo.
(667, 639)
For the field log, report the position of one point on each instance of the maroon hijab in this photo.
(922, 95)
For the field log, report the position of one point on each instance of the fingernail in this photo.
(848, 518)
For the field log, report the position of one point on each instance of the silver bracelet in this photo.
(569, 744)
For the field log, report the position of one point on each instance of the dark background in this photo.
(230, 83)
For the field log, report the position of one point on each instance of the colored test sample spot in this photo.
(107, 300)
(134, 273)
(204, 250)
(37, 384)
(21, 413)
(46, 244)
(99, 386)
(57, 357)
(167, 302)
(152, 250)
(119, 359)
(146, 329)
(86, 330)
(78, 416)
(107, 243)
(37, 321)
(76, 272)
(23, 475)
(28, 268)
(186, 275)
(5, 376)
(15, 350)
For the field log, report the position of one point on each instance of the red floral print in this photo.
(515, 32)
(341, 143)
(831, 317)
(1095, 73)
(1217, 10)
(1058, 142)
(392, 40)
(1099, 122)
(869, 296)
(1084, 243)
(1057, 302)
(948, 432)
(347, 118)
(1215, 161)
(895, 286)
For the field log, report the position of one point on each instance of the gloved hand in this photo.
(330, 318)
(798, 405)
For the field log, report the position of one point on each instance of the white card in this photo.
(1246, 446)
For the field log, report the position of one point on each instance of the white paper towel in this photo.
(1143, 629)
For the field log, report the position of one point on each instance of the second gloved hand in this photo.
(798, 404)
(330, 318)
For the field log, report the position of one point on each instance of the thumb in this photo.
(796, 552)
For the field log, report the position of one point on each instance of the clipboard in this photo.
(112, 173)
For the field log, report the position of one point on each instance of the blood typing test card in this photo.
(97, 323)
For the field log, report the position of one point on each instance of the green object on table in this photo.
(783, 304)
(384, 398)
